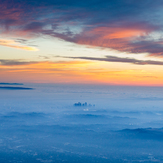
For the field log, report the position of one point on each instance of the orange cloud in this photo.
(125, 39)
(13, 44)
(77, 72)
(117, 32)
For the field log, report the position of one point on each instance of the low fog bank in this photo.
(16, 88)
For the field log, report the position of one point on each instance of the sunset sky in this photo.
(90, 41)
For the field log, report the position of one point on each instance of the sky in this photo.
(118, 42)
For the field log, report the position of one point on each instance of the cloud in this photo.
(124, 25)
(75, 72)
(8, 62)
(119, 59)
(13, 44)
(40, 64)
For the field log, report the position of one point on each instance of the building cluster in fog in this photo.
(83, 104)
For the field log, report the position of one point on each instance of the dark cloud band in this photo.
(121, 60)
(15, 62)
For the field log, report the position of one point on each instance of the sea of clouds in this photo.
(43, 123)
